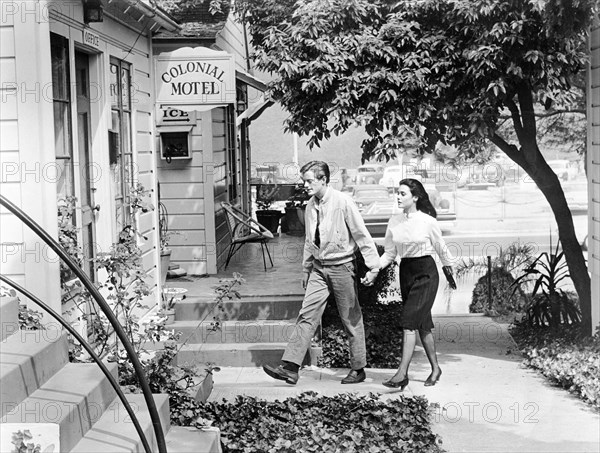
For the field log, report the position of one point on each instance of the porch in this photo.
(282, 279)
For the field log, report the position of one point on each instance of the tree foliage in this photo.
(430, 72)
(440, 71)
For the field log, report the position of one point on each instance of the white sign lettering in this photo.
(91, 39)
(195, 76)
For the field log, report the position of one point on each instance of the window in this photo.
(121, 157)
(61, 100)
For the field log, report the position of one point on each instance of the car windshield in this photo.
(366, 170)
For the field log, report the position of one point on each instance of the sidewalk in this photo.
(488, 402)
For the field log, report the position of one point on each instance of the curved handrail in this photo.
(90, 351)
(89, 285)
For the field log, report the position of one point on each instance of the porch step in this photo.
(115, 432)
(246, 309)
(184, 439)
(28, 359)
(9, 316)
(239, 354)
(260, 331)
(74, 398)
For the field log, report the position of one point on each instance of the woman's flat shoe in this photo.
(396, 384)
(431, 381)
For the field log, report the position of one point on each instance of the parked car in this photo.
(563, 169)
(366, 194)
(392, 175)
(369, 174)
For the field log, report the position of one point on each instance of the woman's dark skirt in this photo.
(419, 281)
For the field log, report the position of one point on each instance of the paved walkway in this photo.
(488, 402)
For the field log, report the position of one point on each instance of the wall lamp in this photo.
(92, 11)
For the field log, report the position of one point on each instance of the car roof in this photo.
(370, 166)
(368, 187)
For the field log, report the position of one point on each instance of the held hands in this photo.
(369, 278)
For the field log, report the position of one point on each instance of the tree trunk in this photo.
(534, 164)
(550, 186)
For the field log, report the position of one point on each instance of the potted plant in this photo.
(170, 296)
(267, 217)
(295, 207)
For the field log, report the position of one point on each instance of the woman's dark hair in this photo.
(318, 167)
(417, 190)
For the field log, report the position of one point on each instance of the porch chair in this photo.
(244, 230)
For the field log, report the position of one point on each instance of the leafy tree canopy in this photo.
(432, 70)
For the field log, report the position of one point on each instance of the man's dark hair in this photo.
(318, 167)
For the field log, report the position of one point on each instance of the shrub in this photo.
(550, 305)
(383, 286)
(564, 355)
(504, 299)
(310, 422)
(553, 310)
(383, 337)
(382, 322)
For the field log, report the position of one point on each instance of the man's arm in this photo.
(307, 257)
(361, 235)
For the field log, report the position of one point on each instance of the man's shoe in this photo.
(354, 377)
(281, 373)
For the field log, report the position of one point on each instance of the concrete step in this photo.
(28, 359)
(184, 439)
(259, 331)
(74, 398)
(239, 354)
(115, 432)
(245, 309)
(9, 316)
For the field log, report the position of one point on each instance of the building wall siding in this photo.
(231, 39)
(182, 191)
(593, 170)
(27, 154)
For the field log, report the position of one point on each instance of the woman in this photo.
(414, 237)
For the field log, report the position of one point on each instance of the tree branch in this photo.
(550, 114)
(515, 116)
(510, 150)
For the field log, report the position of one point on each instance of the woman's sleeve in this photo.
(439, 244)
(390, 251)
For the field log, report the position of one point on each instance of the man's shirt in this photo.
(341, 229)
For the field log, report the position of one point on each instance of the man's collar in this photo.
(326, 197)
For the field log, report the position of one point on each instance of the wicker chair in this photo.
(245, 230)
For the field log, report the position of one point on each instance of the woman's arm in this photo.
(390, 253)
(439, 244)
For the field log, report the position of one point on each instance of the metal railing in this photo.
(89, 285)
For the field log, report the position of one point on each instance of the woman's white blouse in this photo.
(414, 235)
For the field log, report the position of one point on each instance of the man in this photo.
(334, 230)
